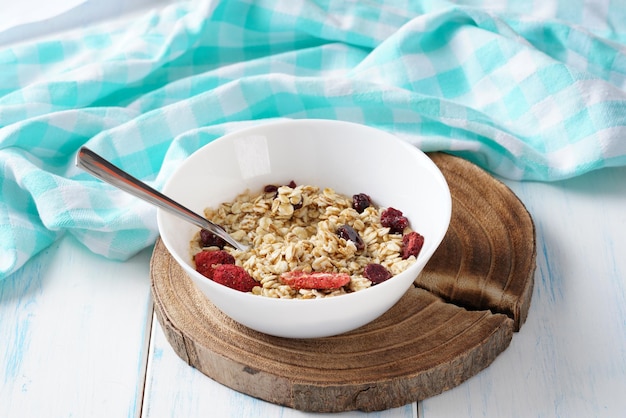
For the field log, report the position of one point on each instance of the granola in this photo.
(295, 228)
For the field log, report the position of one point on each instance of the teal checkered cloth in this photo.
(528, 90)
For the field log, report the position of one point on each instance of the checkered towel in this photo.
(528, 90)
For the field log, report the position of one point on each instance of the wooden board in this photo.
(439, 334)
(487, 258)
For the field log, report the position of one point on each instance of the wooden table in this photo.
(79, 337)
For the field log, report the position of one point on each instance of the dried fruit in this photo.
(316, 280)
(207, 260)
(412, 244)
(209, 239)
(376, 273)
(234, 277)
(272, 188)
(296, 202)
(360, 202)
(394, 220)
(349, 234)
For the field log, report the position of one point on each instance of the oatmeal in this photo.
(304, 234)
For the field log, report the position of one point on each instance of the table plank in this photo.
(569, 360)
(175, 389)
(74, 329)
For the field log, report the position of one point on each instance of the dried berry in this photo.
(376, 273)
(315, 280)
(207, 260)
(394, 220)
(349, 234)
(272, 188)
(360, 202)
(234, 277)
(209, 239)
(297, 204)
(412, 244)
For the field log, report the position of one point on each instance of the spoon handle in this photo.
(109, 173)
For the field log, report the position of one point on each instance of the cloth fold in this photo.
(528, 92)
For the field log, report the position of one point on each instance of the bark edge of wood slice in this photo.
(433, 339)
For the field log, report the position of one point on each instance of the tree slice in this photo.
(424, 345)
(419, 348)
(487, 258)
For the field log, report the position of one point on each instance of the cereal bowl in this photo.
(346, 157)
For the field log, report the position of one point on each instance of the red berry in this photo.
(234, 277)
(209, 239)
(207, 260)
(349, 234)
(360, 202)
(394, 220)
(412, 244)
(376, 273)
(316, 280)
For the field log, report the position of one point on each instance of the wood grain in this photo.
(424, 345)
(569, 359)
(488, 256)
(75, 333)
(419, 348)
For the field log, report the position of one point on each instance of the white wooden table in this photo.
(79, 338)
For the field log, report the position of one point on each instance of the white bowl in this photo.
(347, 157)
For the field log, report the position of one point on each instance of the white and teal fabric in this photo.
(528, 90)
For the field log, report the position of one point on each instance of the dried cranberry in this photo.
(360, 202)
(349, 234)
(207, 260)
(209, 239)
(412, 244)
(376, 273)
(272, 188)
(234, 277)
(394, 220)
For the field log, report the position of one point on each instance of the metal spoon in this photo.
(109, 173)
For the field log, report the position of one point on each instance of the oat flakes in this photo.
(295, 229)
